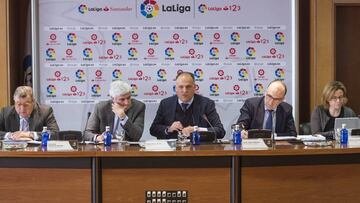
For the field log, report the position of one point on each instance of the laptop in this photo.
(351, 122)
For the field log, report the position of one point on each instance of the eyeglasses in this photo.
(273, 98)
(335, 98)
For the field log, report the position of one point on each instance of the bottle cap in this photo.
(343, 125)
(45, 128)
(196, 128)
(107, 128)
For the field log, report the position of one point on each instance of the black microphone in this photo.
(87, 120)
(212, 127)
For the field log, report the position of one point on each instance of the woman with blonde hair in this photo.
(333, 106)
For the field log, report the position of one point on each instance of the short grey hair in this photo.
(23, 92)
(118, 88)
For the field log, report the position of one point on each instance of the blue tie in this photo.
(184, 106)
(269, 123)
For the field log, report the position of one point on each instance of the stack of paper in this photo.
(311, 138)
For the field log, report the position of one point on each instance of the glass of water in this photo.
(181, 139)
(120, 135)
(337, 135)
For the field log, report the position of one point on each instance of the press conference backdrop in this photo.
(234, 48)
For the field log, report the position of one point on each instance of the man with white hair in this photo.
(123, 114)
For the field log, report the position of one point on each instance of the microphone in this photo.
(87, 120)
(212, 127)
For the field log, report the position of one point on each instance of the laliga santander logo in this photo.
(80, 74)
(88, 53)
(71, 37)
(280, 37)
(235, 37)
(50, 52)
(134, 89)
(116, 74)
(214, 51)
(83, 9)
(161, 73)
(214, 88)
(96, 89)
(116, 37)
(243, 73)
(149, 8)
(202, 8)
(279, 73)
(132, 52)
(198, 37)
(169, 52)
(154, 37)
(51, 89)
(259, 88)
(198, 74)
(250, 51)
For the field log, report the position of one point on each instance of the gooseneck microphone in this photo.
(212, 127)
(83, 133)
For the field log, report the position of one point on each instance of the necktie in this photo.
(184, 106)
(269, 123)
(24, 125)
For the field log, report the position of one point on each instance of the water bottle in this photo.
(344, 134)
(195, 136)
(237, 135)
(107, 136)
(44, 137)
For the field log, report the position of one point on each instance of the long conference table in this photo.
(285, 172)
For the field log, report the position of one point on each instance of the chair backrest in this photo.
(305, 129)
(70, 135)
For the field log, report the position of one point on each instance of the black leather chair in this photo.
(70, 135)
(305, 128)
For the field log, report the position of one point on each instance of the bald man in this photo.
(268, 112)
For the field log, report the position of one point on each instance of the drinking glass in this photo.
(120, 135)
(181, 139)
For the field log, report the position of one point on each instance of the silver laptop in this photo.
(351, 122)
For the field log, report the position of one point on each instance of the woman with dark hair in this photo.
(333, 106)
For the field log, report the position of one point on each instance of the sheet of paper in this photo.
(59, 146)
(315, 137)
(354, 142)
(253, 144)
(159, 145)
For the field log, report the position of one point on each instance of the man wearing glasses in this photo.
(268, 112)
(124, 115)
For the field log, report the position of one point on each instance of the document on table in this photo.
(59, 146)
(253, 144)
(160, 145)
(316, 137)
(354, 142)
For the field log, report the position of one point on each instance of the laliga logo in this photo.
(132, 52)
(279, 73)
(169, 52)
(134, 89)
(149, 8)
(243, 73)
(214, 51)
(51, 89)
(280, 37)
(214, 88)
(250, 51)
(116, 74)
(161, 73)
(71, 37)
(235, 36)
(96, 89)
(202, 8)
(116, 37)
(83, 9)
(198, 74)
(50, 52)
(198, 37)
(153, 37)
(87, 52)
(259, 88)
(80, 74)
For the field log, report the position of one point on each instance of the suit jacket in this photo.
(41, 116)
(103, 116)
(319, 118)
(165, 116)
(253, 111)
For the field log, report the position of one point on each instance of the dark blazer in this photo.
(253, 111)
(104, 116)
(41, 116)
(165, 116)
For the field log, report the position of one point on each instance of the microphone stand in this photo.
(212, 127)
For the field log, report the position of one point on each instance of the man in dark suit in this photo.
(26, 119)
(124, 115)
(268, 112)
(184, 111)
